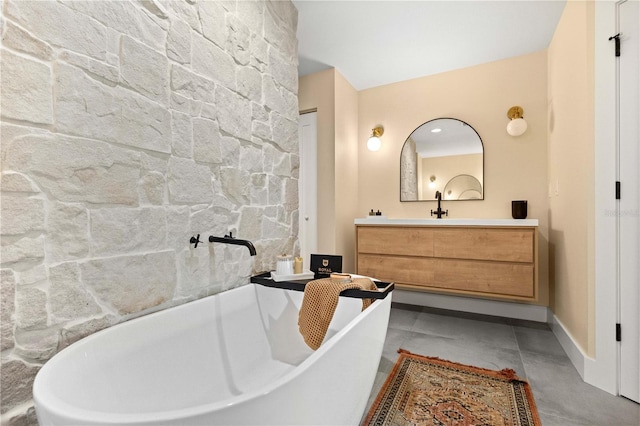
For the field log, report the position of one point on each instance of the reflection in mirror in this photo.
(443, 155)
(463, 187)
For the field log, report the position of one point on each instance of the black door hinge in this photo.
(617, 40)
(617, 190)
(618, 333)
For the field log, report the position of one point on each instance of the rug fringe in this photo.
(505, 373)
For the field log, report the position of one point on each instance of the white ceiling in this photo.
(372, 43)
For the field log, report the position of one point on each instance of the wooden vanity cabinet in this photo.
(492, 262)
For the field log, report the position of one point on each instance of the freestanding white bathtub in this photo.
(235, 358)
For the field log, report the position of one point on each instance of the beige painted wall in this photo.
(515, 168)
(317, 91)
(571, 170)
(336, 102)
(346, 170)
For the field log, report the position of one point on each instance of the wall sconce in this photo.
(517, 125)
(432, 181)
(374, 141)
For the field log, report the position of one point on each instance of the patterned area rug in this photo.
(429, 391)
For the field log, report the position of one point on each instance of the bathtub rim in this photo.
(62, 409)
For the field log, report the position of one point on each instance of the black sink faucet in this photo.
(229, 239)
(439, 212)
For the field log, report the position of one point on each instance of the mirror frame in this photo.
(434, 199)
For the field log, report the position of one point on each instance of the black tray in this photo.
(298, 285)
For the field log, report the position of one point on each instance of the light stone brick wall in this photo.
(126, 128)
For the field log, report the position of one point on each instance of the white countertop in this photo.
(383, 220)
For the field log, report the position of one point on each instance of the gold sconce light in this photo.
(517, 124)
(374, 142)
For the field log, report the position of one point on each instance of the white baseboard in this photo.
(600, 372)
(571, 348)
(521, 311)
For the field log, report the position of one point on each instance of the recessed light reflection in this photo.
(436, 130)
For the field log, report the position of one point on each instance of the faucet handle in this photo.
(195, 241)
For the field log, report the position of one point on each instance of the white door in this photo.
(308, 186)
(629, 204)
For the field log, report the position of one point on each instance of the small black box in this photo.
(323, 265)
(519, 209)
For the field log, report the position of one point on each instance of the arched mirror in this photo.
(443, 155)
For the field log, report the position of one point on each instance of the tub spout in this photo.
(229, 239)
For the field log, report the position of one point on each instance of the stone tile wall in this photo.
(126, 128)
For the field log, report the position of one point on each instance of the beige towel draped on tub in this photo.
(320, 302)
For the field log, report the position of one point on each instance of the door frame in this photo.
(601, 370)
(628, 215)
(308, 185)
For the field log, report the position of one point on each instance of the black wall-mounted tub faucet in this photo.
(229, 239)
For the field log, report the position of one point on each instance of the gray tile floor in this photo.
(529, 348)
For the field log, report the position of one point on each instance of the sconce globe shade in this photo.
(517, 126)
(373, 143)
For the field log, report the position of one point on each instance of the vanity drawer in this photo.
(499, 244)
(395, 240)
(492, 278)
(399, 269)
